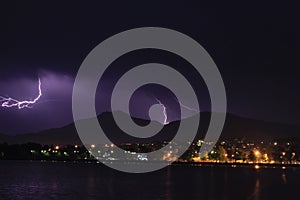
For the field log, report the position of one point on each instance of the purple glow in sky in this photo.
(9, 102)
(52, 103)
(260, 72)
(50, 108)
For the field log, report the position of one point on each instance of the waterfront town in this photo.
(284, 151)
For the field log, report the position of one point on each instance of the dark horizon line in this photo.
(171, 122)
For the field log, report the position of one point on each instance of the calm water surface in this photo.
(47, 180)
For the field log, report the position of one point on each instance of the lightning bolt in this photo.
(187, 107)
(10, 102)
(164, 111)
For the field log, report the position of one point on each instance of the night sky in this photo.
(256, 48)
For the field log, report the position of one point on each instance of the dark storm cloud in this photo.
(255, 47)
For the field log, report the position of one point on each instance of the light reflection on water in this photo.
(284, 178)
(47, 180)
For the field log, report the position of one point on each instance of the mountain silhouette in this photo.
(235, 127)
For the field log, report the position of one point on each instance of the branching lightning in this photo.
(10, 102)
(164, 111)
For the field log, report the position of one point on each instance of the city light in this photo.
(228, 152)
(257, 153)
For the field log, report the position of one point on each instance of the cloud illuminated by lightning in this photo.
(164, 111)
(10, 102)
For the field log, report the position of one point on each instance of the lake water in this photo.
(57, 180)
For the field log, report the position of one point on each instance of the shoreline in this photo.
(194, 164)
